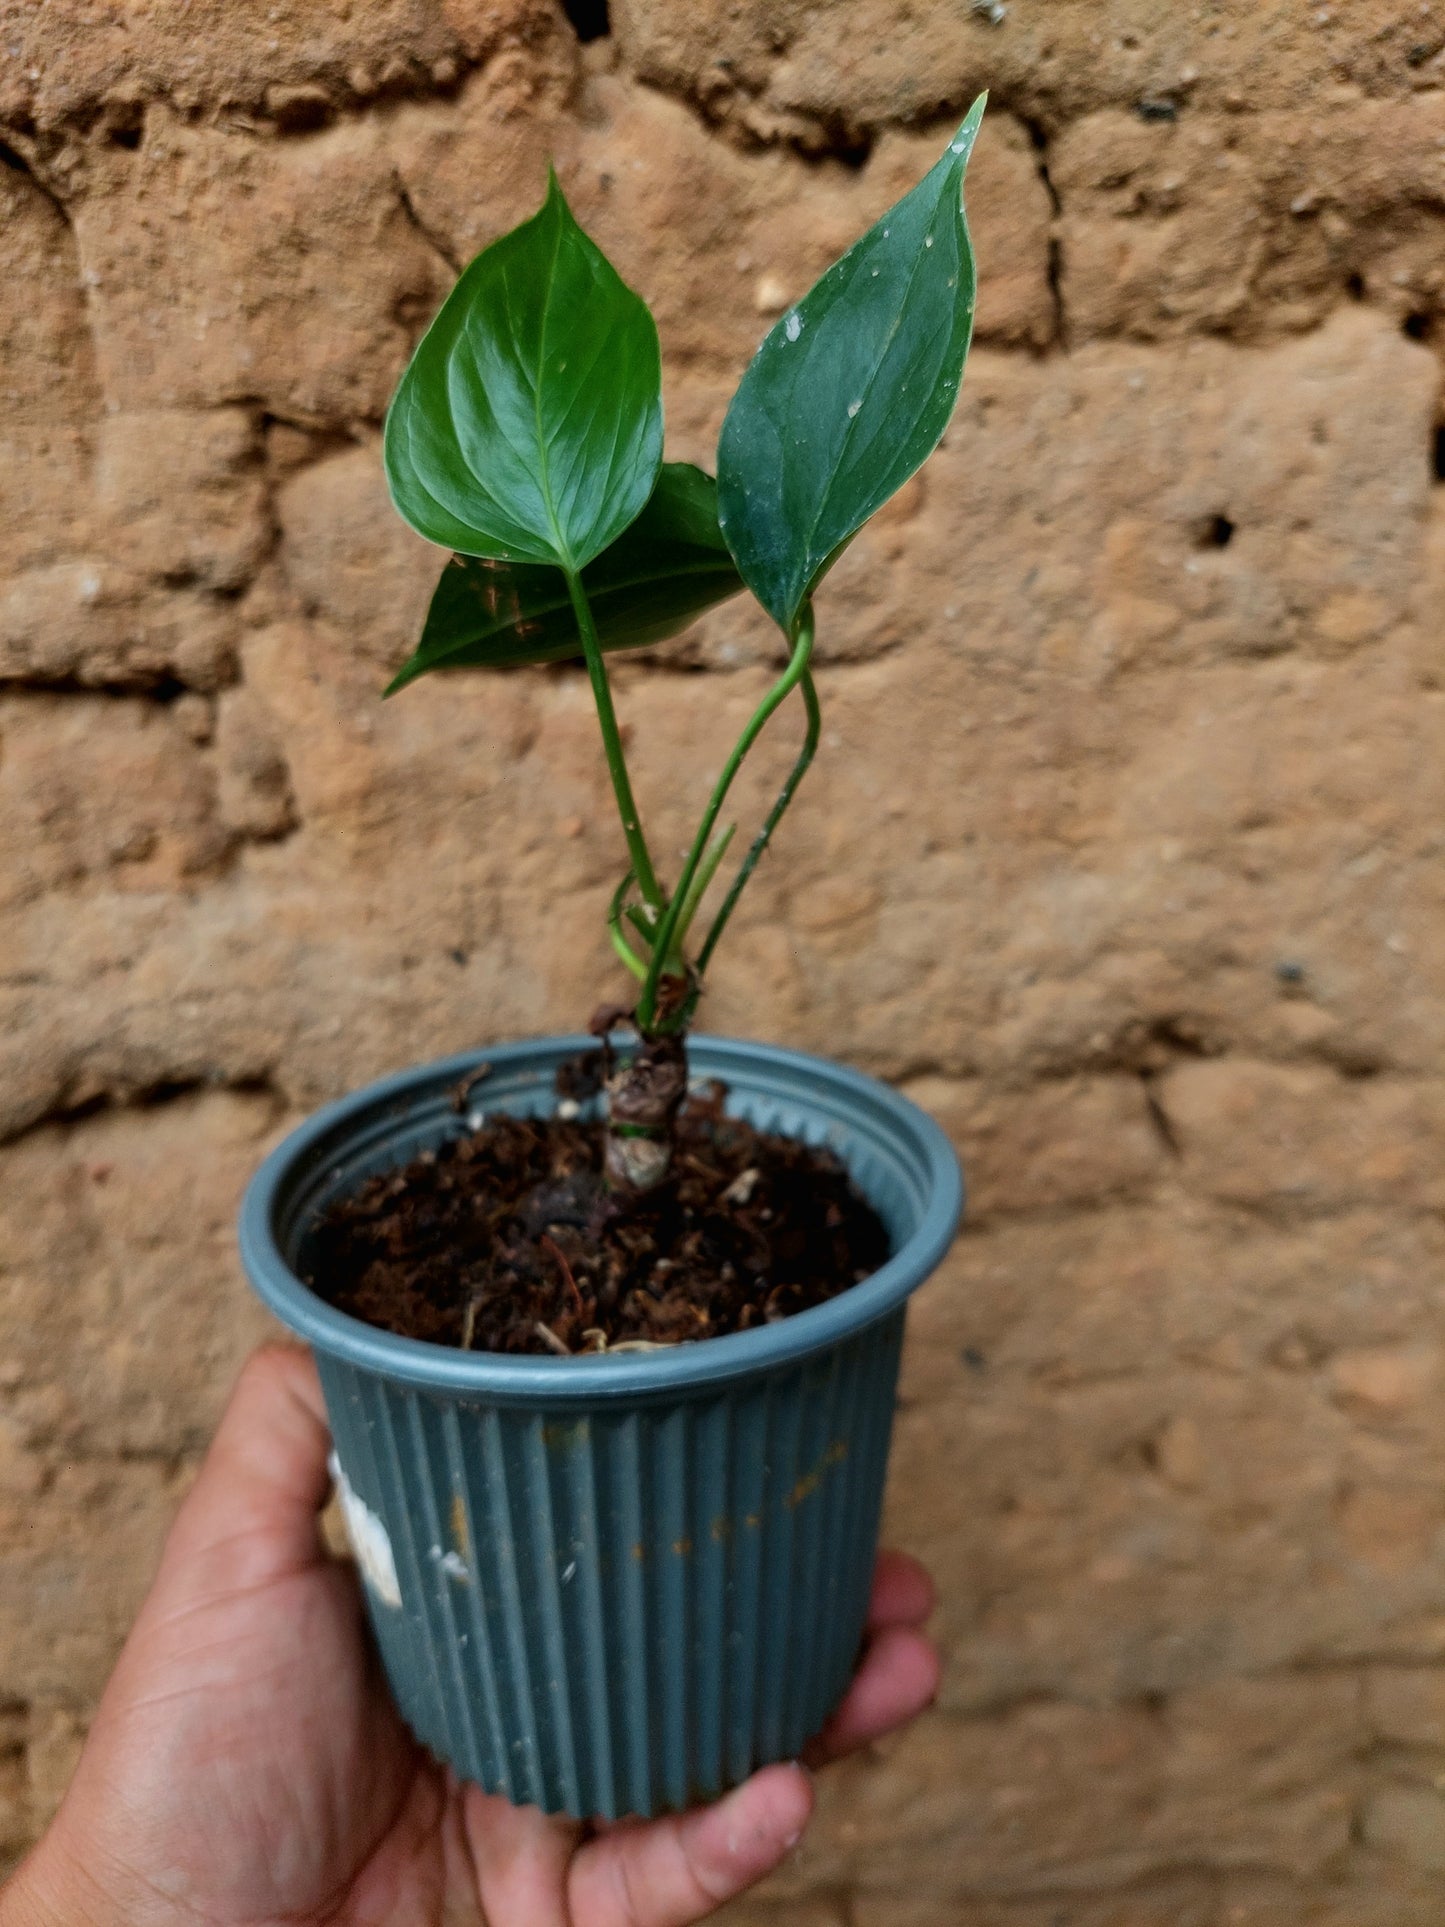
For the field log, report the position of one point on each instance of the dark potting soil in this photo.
(506, 1239)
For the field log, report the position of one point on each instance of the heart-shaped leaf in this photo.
(528, 424)
(659, 575)
(850, 392)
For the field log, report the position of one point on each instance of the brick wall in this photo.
(1123, 854)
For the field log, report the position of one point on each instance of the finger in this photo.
(669, 1873)
(897, 1679)
(251, 1515)
(520, 1858)
(903, 1593)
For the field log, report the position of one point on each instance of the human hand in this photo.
(246, 1764)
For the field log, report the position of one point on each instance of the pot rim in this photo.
(870, 1106)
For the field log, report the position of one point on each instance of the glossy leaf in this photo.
(528, 424)
(850, 392)
(658, 576)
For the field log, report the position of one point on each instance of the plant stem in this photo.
(612, 744)
(644, 1096)
(619, 940)
(711, 863)
(764, 835)
(662, 952)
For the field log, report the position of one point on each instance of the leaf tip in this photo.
(962, 142)
(555, 197)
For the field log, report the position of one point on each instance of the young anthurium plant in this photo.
(527, 437)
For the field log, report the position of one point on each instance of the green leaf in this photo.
(657, 577)
(850, 392)
(528, 424)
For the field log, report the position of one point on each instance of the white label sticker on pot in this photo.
(369, 1540)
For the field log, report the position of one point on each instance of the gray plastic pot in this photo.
(612, 1585)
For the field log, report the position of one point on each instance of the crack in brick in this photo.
(1039, 138)
(439, 246)
(136, 1100)
(1159, 1117)
(20, 163)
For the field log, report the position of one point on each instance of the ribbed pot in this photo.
(614, 1584)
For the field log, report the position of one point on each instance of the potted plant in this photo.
(618, 1579)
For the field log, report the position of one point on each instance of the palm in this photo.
(247, 1766)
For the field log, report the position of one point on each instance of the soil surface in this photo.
(506, 1238)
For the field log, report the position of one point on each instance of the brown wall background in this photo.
(1124, 852)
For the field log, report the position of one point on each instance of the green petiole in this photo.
(774, 817)
(612, 744)
(663, 952)
(614, 925)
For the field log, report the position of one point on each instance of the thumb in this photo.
(670, 1873)
(250, 1518)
